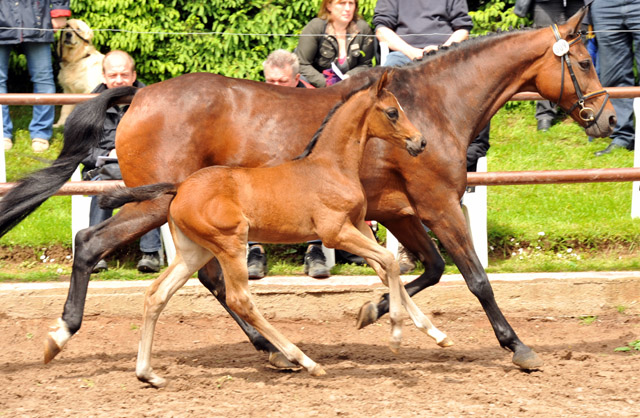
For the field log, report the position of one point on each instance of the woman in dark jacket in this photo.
(29, 23)
(336, 44)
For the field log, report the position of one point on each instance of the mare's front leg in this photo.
(211, 277)
(454, 236)
(410, 232)
(189, 258)
(93, 244)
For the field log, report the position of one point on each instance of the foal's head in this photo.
(386, 120)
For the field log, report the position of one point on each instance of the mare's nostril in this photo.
(613, 120)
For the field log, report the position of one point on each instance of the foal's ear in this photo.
(382, 83)
(574, 23)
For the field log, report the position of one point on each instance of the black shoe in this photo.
(101, 266)
(315, 263)
(607, 150)
(149, 263)
(256, 262)
(406, 260)
(544, 125)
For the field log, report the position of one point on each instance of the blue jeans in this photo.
(149, 242)
(396, 59)
(616, 52)
(39, 64)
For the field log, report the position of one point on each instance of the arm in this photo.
(59, 12)
(396, 43)
(306, 52)
(457, 36)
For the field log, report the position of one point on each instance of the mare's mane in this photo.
(333, 110)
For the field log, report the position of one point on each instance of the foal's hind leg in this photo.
(233, 261)
(211, 277)
(93, 244)
(189, 258)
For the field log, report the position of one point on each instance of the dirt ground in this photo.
(214, 372)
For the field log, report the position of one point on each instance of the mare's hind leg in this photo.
(93, 244)
(189, 258)
(211, 277)
(233, 261)
(410, 232)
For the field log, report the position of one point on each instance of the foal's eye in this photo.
(392, 113)
(585, 64)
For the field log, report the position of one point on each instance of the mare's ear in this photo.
(382, 83)
(574, 23)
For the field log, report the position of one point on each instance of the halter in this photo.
(561, 49)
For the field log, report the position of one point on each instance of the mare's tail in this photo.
(82, 132)
(122, 195)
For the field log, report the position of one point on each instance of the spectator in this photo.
(412, 28)
(31, 24)
(546, 13)
(617, 27)
(282, 69)
(118, 69)
(336, 44)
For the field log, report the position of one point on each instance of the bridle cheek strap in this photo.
(561, 49)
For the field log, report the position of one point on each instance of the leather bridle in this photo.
(561, 49)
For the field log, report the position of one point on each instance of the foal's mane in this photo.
(333, 110)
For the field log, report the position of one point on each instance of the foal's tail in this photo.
(123, 195)
(82, 132)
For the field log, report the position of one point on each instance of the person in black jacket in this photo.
(118, 69)
(30, 24)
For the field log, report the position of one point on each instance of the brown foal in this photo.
(317, 195)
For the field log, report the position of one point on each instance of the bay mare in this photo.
(178, 126)
(217, 210)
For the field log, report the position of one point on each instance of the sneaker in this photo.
(406, 260)
(39, 144)
(8, 144)
(149, 263)
(256, 262)
(315, 263)
(101, 266)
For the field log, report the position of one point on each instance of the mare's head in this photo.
(386, 120)
(567, 76)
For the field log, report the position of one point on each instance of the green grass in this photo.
(562, 227)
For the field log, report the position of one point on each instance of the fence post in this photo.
(635, 193)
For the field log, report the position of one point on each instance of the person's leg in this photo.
(315, 263)
(546, 14)
(41, 72)
(396, 59)
(5, 52)
(150, 245)
(616, 64)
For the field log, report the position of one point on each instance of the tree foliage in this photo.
(230, 37)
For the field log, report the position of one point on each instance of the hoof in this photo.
(527, 359)
(317, 370)
(447, 342)
(394, 346)
(153, 379)
(51, 349)
(279, 361)
(368, 315)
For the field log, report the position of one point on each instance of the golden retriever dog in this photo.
(80, 62)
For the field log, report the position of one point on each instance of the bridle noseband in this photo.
(561, 49)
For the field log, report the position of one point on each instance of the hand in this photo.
(58, 23)
(429, 48)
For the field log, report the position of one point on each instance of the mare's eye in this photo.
(392, 113)
(585, 64)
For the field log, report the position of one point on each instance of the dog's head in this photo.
(74, 40)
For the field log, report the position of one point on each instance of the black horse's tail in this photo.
(122, 195)
(82, 132)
